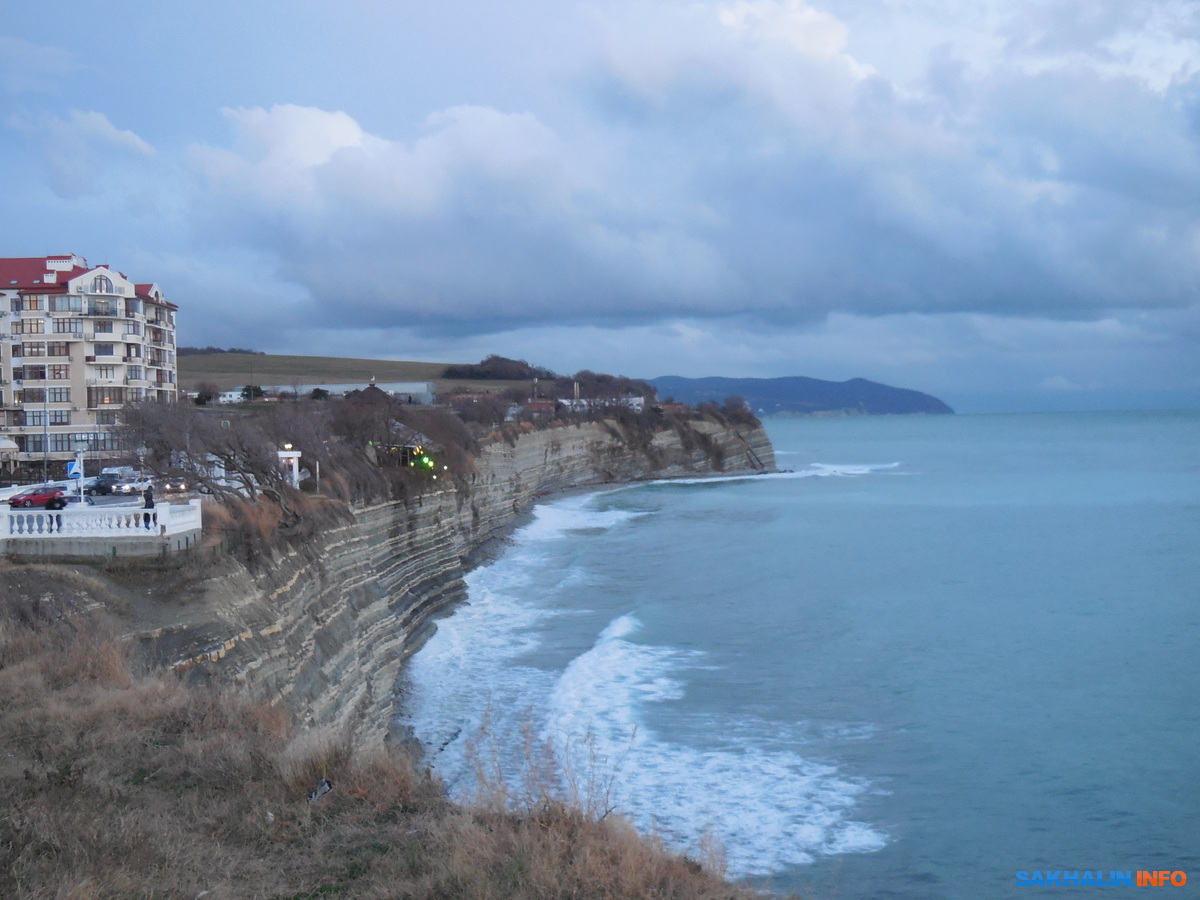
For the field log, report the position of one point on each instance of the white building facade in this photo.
(78, 342)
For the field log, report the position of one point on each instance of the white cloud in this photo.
(26, 67)
(1059, 383)
(79, 149)
(485, 217)
(795, 23)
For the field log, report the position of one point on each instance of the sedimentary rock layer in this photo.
(327, 626)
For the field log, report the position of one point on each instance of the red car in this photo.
(38, 496)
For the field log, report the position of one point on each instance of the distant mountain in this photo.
(798, 395)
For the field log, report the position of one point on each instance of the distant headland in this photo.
(796, 395)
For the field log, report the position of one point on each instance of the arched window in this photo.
(102, 285)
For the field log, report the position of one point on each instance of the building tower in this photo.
(77, 342)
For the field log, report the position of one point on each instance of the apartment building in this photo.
(77, 342)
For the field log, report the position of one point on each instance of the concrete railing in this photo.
(103, 521)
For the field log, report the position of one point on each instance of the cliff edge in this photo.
(326, 625)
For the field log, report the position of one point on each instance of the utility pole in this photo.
(45, 433)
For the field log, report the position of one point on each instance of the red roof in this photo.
(28, 273)
(145, 291)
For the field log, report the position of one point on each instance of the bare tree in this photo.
(204, 444)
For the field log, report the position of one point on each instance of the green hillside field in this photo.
(234, 370)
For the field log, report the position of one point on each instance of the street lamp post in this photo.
(80, 449)
(46, 410)
(45, 432)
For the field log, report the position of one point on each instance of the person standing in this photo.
(148, 504)
(57, 502)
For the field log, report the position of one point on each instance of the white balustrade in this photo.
(104, 521)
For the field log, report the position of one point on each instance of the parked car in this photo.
(101, 484)
(38, 496)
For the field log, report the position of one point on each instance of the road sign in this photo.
(74, 469)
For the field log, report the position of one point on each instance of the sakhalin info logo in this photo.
(1111, 878)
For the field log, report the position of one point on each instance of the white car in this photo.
(132, 486)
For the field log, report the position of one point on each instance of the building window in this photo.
(67, 303)
(133, 328)
(33, 443)
(59, 395)
(37, 418)
(105, 373)
(101, 284)
(133, 308)
(62, 443)
(104, 327)
(33, 348)
(32, 373)
(134, 373)
(97, 440)
(109, 396)
(30, 395)
(15, 306)
(36, 302)
(106, 417)
(104, 349)
(29, 326)
(60, 372)
(68, 326)
(58, 348)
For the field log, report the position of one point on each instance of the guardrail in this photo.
(103, 521)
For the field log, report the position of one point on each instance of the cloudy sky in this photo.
(995, 201)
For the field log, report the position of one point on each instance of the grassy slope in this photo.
(233, 370)
(120, 783)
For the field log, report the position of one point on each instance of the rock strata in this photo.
(327, 626)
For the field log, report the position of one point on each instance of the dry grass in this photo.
(234, 370)
(120, 784)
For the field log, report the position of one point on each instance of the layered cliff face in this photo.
(327, 626)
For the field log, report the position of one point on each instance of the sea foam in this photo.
(480, 696)
(767, 808)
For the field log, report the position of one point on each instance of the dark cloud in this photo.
(759, 176)
(915, 185)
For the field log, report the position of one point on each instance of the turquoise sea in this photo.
(936, 652)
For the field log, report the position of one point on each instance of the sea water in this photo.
(934, 653)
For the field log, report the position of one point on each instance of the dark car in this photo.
(101, 484)
(171, 484)
(38, 496)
